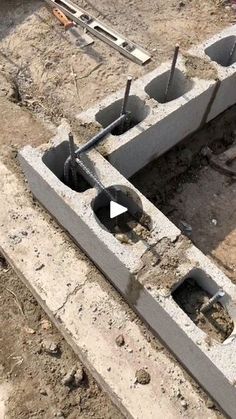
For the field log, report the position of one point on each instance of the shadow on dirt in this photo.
(14, 12)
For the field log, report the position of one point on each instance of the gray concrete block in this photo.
(158, 126)
(82, 304)
(134, 269)
(220, 51)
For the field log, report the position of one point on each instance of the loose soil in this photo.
(34, 360)
(53, 79)
(44, 77)
(200, 200)
(198, 67)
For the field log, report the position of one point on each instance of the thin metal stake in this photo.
(73, 163)
(126, 95)
(172, 72)
(125, 102)
(219, 294)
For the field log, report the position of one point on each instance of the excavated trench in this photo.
(201, 201)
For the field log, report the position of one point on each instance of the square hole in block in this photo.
(191, 298)
(180, 85)
(55, 159)
(137, 112)
(223, 51)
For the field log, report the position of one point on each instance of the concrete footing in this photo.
(140, 269)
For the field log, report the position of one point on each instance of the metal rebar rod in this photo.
(92, 142)
(118, 122)
(206, 307)
(172, 72)
(125, 102)
(126, 96)
(100, 135)
(73, 164)
(95, 180)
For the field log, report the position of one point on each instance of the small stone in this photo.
(69, 378)
(29, 331)
(43, 392)
(210, 404)
(142, 377)
(120, 341)
(50, 347)
(59, 414)
(184, 404)
(46, 324)
(122, 238)
(178, 393)
(73, 378)
(78, 377)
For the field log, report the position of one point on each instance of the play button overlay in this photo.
(116, 209)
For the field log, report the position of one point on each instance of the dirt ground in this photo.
(47, 78)
(35, 359)
(52, 78)
(199, 199)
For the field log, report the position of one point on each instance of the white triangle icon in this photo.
(116, 209)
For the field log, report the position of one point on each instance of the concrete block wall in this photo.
(218, 50)
(160, 126)
(130, 269)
